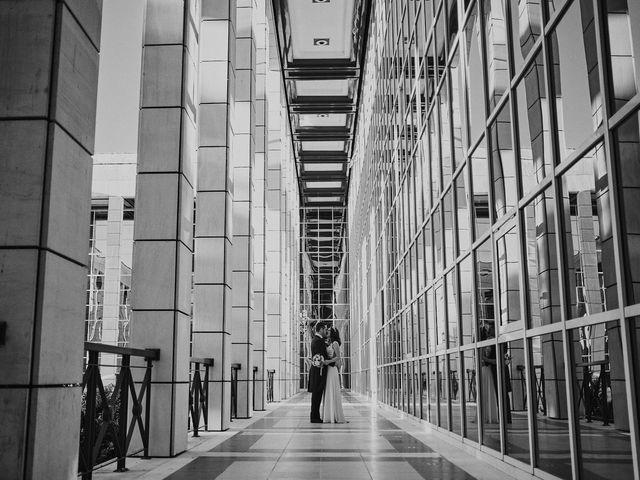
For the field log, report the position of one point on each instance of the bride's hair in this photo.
(334, 335)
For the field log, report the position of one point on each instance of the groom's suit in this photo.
(317, 377)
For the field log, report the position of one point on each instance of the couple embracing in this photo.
(324, 380)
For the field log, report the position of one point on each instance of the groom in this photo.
(317, 375)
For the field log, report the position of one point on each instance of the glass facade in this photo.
(493, 227)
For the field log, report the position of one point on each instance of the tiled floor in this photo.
(283, 445)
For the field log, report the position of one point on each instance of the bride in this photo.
(332, 400)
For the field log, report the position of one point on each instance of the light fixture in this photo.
(320, 42)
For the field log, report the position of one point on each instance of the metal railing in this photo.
(106, 430)
(270, 375)
(594, 387)
(541, 399)
(235, 367)
(199, 394)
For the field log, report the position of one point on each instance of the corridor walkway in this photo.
(282, 444)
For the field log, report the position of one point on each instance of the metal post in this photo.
(122, 411)
(90, 414)
(196, 400)
(147, 408)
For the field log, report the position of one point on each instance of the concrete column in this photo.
(243, 166)
(258, 215)
(272, 231)
(48, 88)
(163, 242)
(213, 243)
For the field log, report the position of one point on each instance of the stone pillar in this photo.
(258, 215)
(213, 243)
(243, 165)
(272, 232)
(48, 90)
(163, 242)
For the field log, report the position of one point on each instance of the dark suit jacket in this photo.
(317, 380)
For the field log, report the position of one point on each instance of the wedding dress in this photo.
(332, 399)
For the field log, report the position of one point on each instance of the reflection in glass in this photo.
(452, 308)
(577, 93)
(445, 135)
(526, 27)
(600, 400)
(441, 319)
(431, 321)
(514, 390)
(509, 278)
(475, 89)
(443, 393)
(437, 239)
(463, 228)
(550, 407)
(534, 132)
(455, 392)
(466, 301)
(495, 37)
(505, 190)
(424, 390)
(627, 142)
(484, 291)
(433, 390)
(480, 189)
(470, 394)
(428, 252)
(620, 58)
(422, 321)
(489, 405)
(542, 260)
(434, 141)
(588, 236)
(458, 108)
(449, 236)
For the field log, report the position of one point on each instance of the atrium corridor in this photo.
(281, 444)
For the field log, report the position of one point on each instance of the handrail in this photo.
(204, 361)
(106, 430)
(147, 353)
(199, 394)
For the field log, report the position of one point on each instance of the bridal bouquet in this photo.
(317, 360)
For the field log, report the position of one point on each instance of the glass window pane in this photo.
(489, 401)
(526, 27)
(466, 300)
(433, 390)
(623, 35)
(484, 291)
(578, 99)
(458, 107)
(441, 320)
(505, 191)
(449, 234)
(424, 391)
(514, 389)
(600, 400)
(627, 142)
(534, 132)
(496, 50)
(542, 260)
(480, 189)
(463, 228)
(508, 253)
(443, 393)
(445, 135)
(452, 308)
(475, 89)
(589, 237)
(437, 239)
(455, 391)
(470, 394)
(552, 427)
